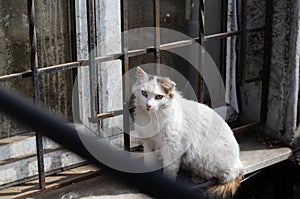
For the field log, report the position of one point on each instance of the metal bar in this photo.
(106, 115)
(41, 71)
(131, 53)
(72, 32)
(59, 67)
(232, 33)
(245, 127)
(177, 44)
(16, 76)
(36, 91)
(110, 114)
(201, 42)
(242, 42)
(125, 69)
(201, 21)
(222, 35)
(105, 58)
(267, 62)
(93, 72)
(223, 46)
(156, 14)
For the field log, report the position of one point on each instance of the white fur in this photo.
(185, 133)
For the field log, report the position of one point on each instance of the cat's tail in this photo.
(225, 190)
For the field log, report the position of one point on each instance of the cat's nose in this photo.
(148, 107)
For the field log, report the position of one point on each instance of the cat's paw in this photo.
(172, 175)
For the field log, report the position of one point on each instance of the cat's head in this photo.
(152, 92)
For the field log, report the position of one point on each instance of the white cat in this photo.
(185, 134)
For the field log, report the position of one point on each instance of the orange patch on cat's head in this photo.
(167, 85)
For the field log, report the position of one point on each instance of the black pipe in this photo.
(150, 183)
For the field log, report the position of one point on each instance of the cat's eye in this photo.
(158, 97)
(144, 93)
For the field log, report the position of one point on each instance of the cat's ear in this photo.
(168, 84)
(141, 74)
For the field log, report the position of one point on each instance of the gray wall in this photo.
(284, 69)
(53, 48)
(284, 76)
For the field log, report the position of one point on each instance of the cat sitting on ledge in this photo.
(185, 134)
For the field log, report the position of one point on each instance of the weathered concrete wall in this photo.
(284, 76)
(53, 39)
(14, 53)
(284, 68)
(250, 91)
(53, 43)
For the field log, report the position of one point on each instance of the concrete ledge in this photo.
(26, 166)
(22, 145)
(257, 155)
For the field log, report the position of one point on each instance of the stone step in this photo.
(22, 145)
(31, 189)
(23, 167)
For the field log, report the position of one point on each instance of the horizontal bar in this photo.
(245, 127)
(110, 114)
(131, 53)
(16, 76)
(108, 57)
(222, 35)
(177, 44)
(231, 33)
(59, 67)
(106, 115)
(41, 71)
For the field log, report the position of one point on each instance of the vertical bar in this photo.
(224, 41)
(242, 40)
(267, 61)
(36, 92)
(156, 14)
(72, 31)
(125, 69)
(73, 46)
(93, 72)
(201, 42)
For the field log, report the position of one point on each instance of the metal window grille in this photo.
(36, 71)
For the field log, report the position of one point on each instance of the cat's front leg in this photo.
(171, 155)
(151, 159)
(172, 169)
